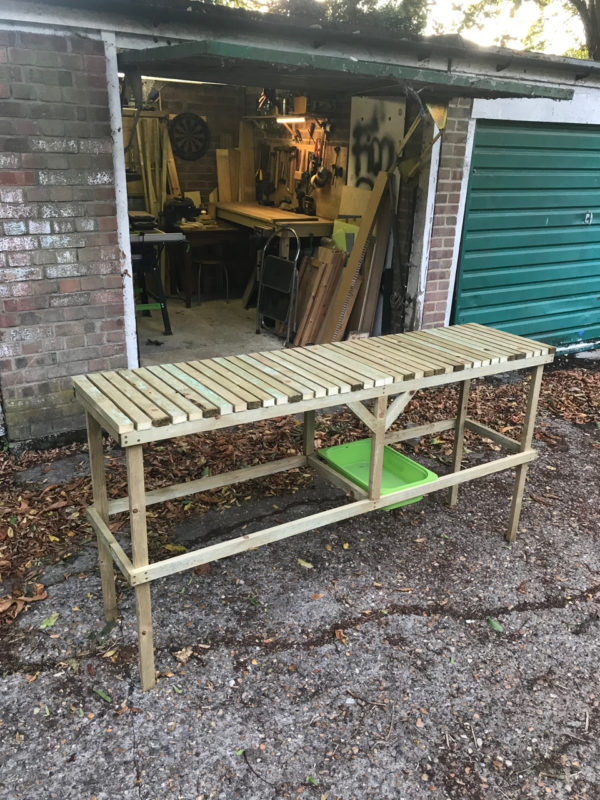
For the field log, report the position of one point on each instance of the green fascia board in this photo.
(347, 64)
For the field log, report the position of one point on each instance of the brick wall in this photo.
(447, 197)
(222, 106)
(61, 307)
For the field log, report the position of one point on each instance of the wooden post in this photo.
(459, 437)
(526, 439)
(139, 556)
(107, 572)
(309, 433)
(377, 445)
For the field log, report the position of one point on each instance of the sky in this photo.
(561, 32)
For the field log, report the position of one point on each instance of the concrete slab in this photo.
(207, 329)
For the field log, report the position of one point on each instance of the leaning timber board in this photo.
(161, 402)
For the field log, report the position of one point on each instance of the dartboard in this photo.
(189, 135)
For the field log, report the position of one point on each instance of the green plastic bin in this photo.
(399, 471)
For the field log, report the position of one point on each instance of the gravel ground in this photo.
(373, 673)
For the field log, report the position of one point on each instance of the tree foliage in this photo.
(477, 13)
(401, 16)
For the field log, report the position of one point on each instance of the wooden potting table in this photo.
(157, 403)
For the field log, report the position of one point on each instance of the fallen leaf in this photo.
(184, 655)
(49, 621)
(340, 635)
(317, 595)
(175, 548)
(101, 693)
(495, 625)
(305, 564)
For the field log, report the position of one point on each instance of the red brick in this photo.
(17, 178)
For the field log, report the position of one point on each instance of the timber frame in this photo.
(139, 573)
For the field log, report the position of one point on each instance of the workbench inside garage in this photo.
(270, 218)
(153, 404)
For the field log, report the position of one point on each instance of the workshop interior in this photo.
(280, 213)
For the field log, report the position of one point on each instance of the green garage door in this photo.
(530, 255)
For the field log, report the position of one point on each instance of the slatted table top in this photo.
(158, 402)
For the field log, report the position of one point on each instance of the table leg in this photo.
(459, 437)
(308, 436)
(284, 244)
(526, 439)
(188, 275)
(139, 555)
(107, 572)
(377, 446)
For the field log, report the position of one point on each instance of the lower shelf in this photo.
(399, 472)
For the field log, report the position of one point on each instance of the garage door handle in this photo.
(588, 219)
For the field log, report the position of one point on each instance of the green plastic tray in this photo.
(399, 471)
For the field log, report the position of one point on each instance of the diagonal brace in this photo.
(363, 414)
(397, 406)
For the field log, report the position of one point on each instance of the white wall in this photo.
(583, 109)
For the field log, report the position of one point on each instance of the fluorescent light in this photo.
(179, 80)
(172, 80)
(290, 120)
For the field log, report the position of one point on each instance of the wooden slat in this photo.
(280, 377)
(520, 346)
(240, 380)
(376, 361)
(458, 340)
(373, 358)
(379, 376)
(382, 349)
(187, 388)
(102, 407)
(211, 482)
(491, 346)
(334, 367)
(540, 348)
(140, 420)
(452, 349)
(230, 388)
(210, 383)
(174, 412)
(165, 390)
(421, 354)
(296, 366)
(243, 372)
(422, 350)
(143, 402)
(317, 366)
(518, 350)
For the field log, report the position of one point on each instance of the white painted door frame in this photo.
(120, 181)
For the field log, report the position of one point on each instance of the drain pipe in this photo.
(116, 129)
(578, 347)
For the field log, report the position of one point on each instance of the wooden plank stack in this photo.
(335, 295)
(319, 279)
